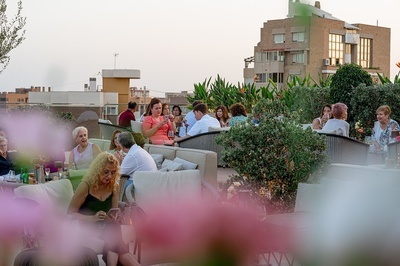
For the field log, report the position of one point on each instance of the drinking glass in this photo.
(261, 212)
(60, 173)
(11, 176)
(47, 172)
(171, 134)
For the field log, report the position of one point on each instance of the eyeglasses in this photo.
(106, 172)
(3, 145)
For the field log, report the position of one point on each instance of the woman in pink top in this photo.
(156, 126)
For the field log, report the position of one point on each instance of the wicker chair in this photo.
(204, 141)
(341, 149)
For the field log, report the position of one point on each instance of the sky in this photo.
(175, 44)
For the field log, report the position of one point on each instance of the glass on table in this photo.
(47, 172)
(60, 172)
(171, 134)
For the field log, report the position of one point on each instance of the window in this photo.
(269, 56)
(298, 58)
(279, 38)
(336, 47)
(298, 36)
(261, 57)
(260, 78)
(276, 77)
(364, 53)
(111, 110)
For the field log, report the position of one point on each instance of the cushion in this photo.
(158, 159)
(57, 194)
(168, 187)
(186, 164)
(171, 166)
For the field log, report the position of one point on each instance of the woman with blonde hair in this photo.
(383, 127)
(94, 197)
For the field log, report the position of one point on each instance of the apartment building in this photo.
(310, 41)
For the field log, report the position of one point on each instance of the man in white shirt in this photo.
(204, 121)
(136, 158)
(189, 119)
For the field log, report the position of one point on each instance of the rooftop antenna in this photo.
(115, 59)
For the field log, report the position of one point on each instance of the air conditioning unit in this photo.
(326, 61)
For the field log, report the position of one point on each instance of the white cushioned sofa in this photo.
(206, 160)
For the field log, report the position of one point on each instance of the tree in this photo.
(346, 78)
(11, 33)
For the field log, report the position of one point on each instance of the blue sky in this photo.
(174, 43)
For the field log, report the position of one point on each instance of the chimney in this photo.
(317, 4)
(92, 84)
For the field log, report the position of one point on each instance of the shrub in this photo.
(275, 155)
(346, 78)
(308, 101)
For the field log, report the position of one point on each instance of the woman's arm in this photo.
(71, 159)
(316, 124)
(76, 202)
(96, 150)
(149, 131)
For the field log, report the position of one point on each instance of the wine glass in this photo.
(47, 172)
(171, 134)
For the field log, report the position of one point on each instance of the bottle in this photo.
(24, 176)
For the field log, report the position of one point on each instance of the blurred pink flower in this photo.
(195, 233)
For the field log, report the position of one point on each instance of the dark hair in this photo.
(132, 105)
(201, 107)
(163, 106)
(112, 144)
(126, 140)
(326, 105)
(238, 109)
(196, 102)
(153, 101)
(177, 106)
(225, 115)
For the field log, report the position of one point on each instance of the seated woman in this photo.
(221, 114)
(239, 114)
(156, 126)
(165, 109)
(85, 152)
(177, 113)
(94, 197)
(383, 127)
(115, 147)
(326, 113)
(5, 163)
(338, 122)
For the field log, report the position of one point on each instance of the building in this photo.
(310, 41)
(10, 100)
(86, 106)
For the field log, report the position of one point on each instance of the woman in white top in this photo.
(326, 113)
(383, 127)
(85, 152)
(338, 123)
